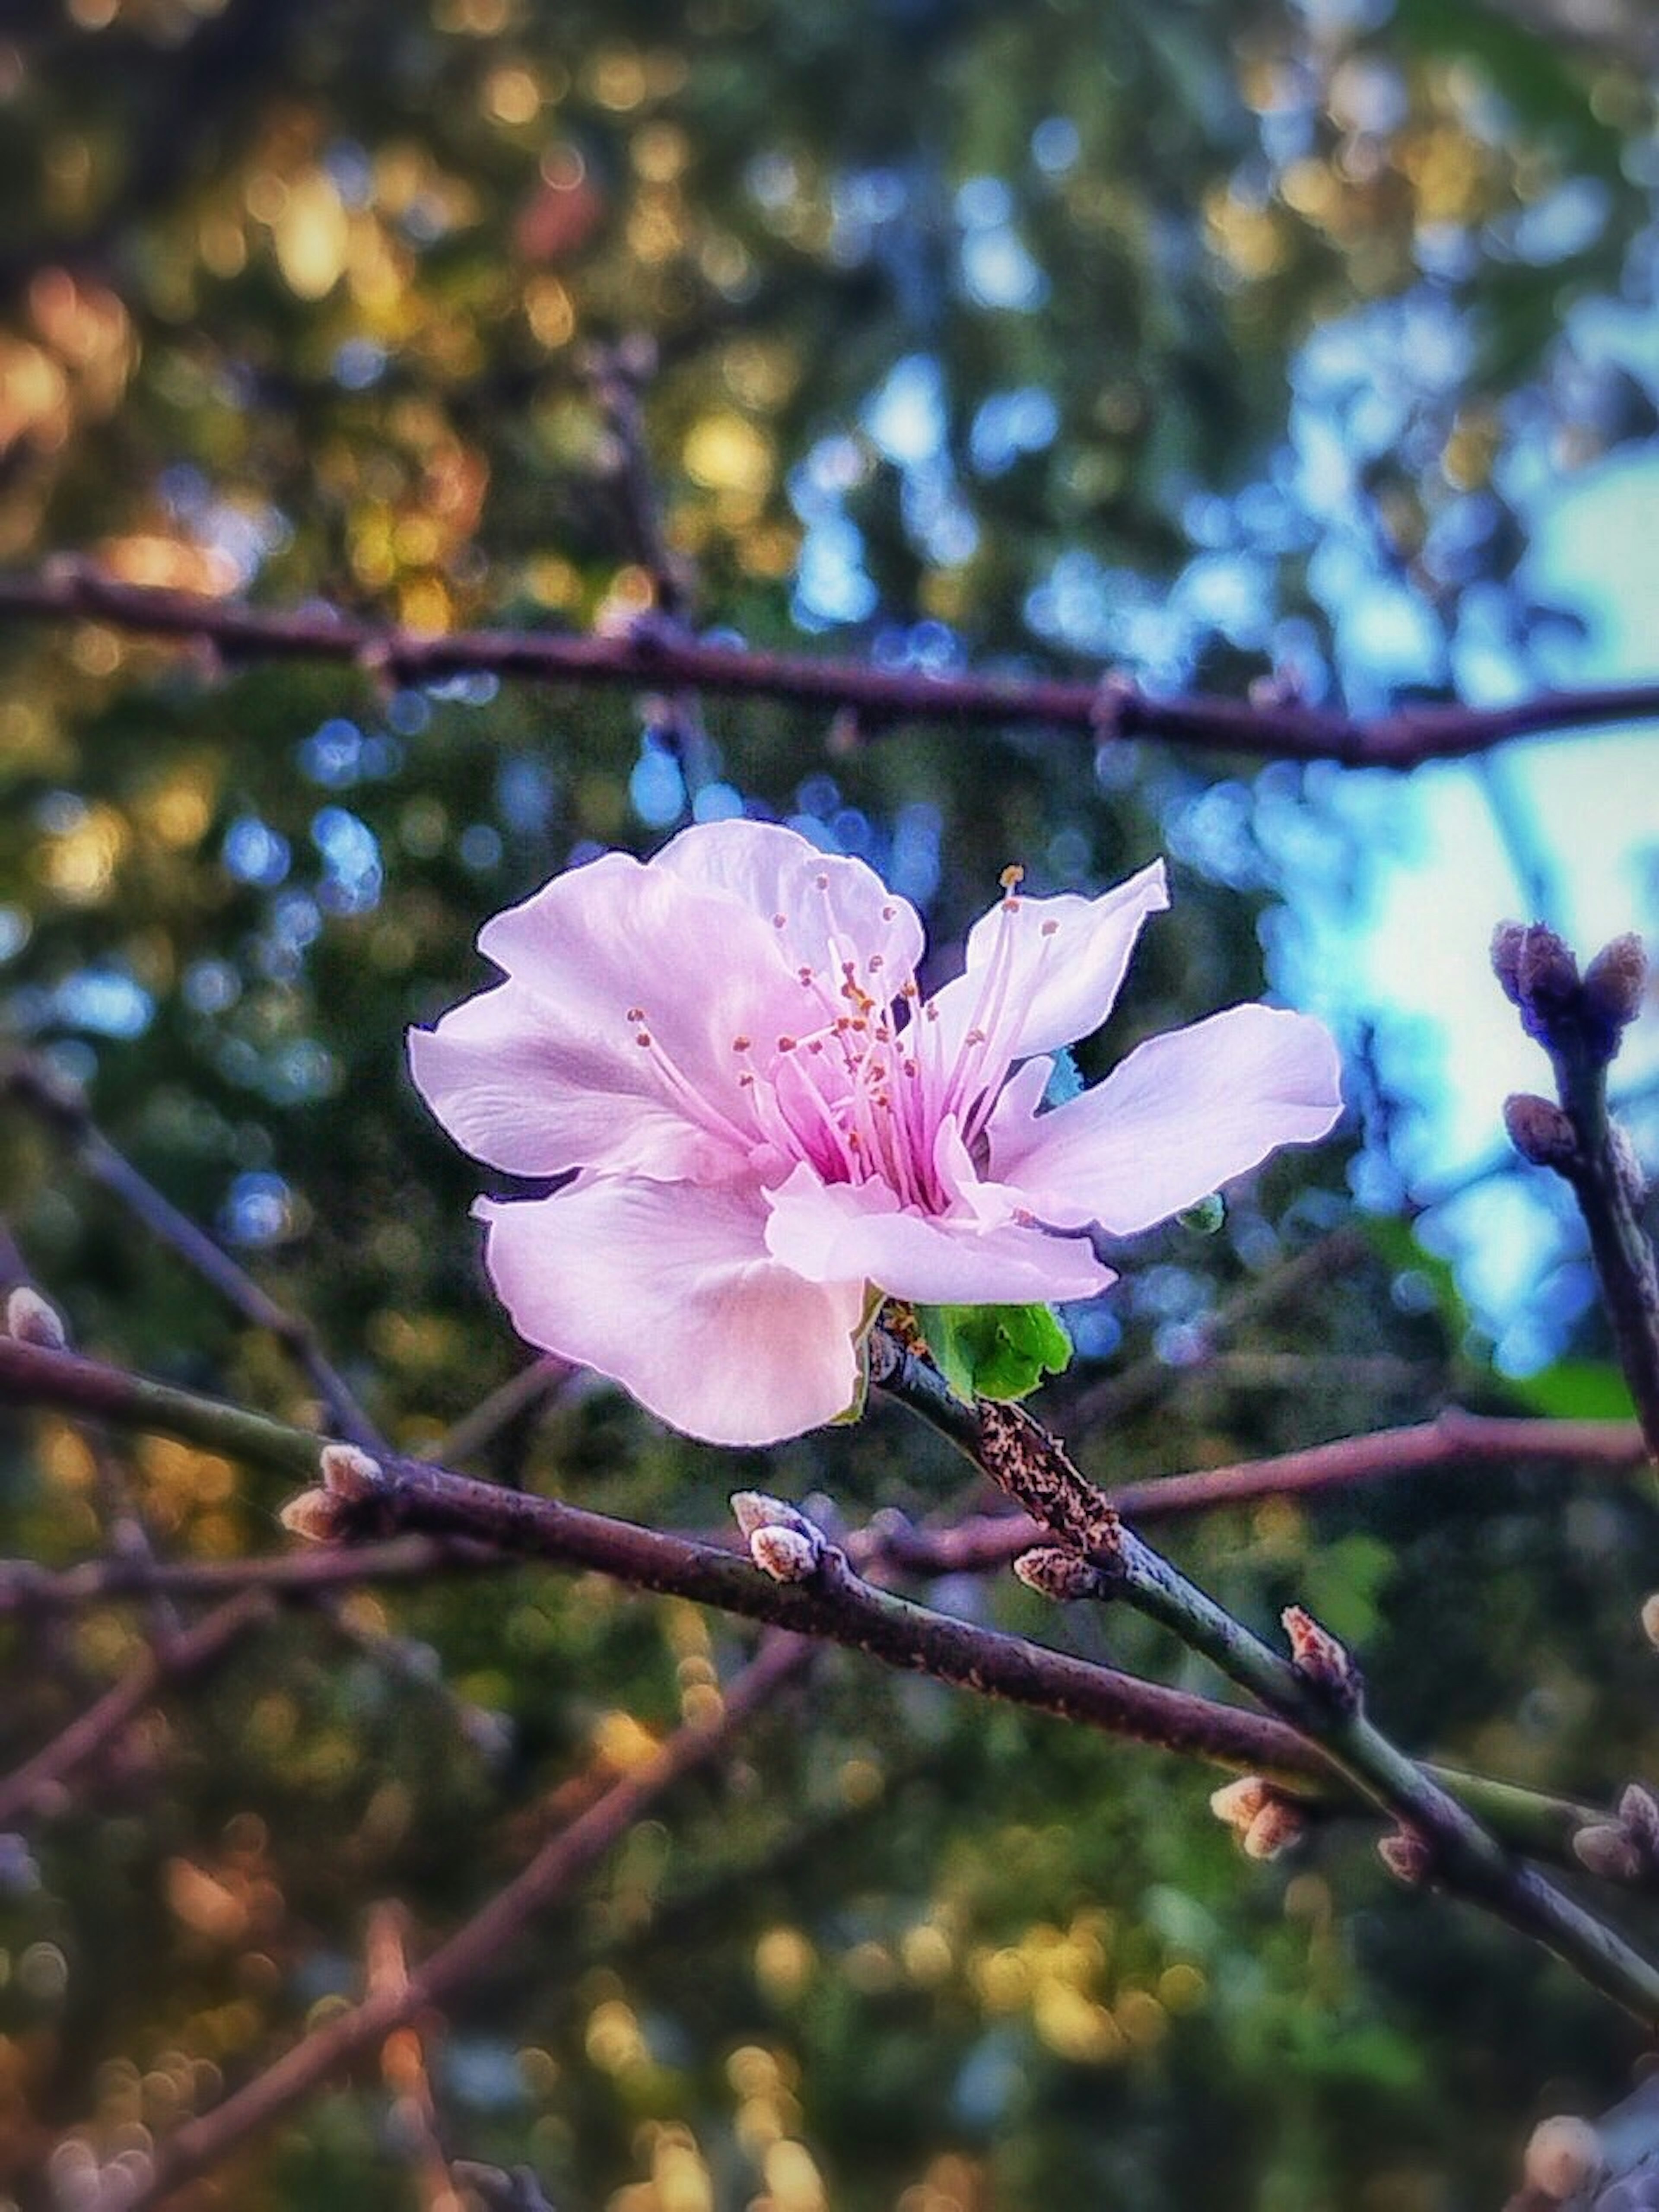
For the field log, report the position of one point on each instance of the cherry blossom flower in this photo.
(770, 1125)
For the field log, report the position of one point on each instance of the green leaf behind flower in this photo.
(995, 1351)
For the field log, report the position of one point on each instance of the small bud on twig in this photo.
(758, 1509)
(318, 1516)
(1615, 981)
(1540, 1131)
(1563, 2155)
(1406, 1856)
(34, 1320)
(1639, 1816)
(1607, 1851)
(785, 1554)
(1321, 1660)
(1651, 1619)
(1277, 1828)
(350, 1475)
(1263, 1819)
(1060, 1576)
(1236, 1804)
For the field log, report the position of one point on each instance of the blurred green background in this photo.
(1205, 340)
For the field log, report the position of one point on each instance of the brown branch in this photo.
(652, 655)
(61, 1107)
(492, 1934)
(1316, 1691)
(836, 1606)
(1580, 1022)
(1454, 1443)
(36, 1787)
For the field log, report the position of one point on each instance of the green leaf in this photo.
(995, 1351)
(1579, 1390)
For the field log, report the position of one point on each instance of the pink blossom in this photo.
(770, 1124)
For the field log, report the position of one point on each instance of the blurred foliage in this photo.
(1213, 339)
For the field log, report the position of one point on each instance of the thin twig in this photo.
(837, 1605)
(37, 1787)
(1024, 1460)
(878, 697)
(493, 1933)
(1580, 1022)
(1454, 1443)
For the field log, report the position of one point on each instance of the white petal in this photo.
(858, 1232)
(823, 898)
(669, 1289)
(1068, 956)
(1181, 1115)
(545, 1073)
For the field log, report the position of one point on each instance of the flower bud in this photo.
(785, 1554)
(1321, 1660)
(1563, 2156)
(349, 1473)
(1060, 1575)
(1651, 1619)
(1616, 979)
(1546, 973)
(758, 1509)
(1540, 1131)
(1607, 1851)
(1236, 1804)
(35, 1320)
(318, 1516)
(1406, 1856)
(1639, 1816)
(1277, 1827)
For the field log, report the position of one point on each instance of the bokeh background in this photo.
(1213, 342)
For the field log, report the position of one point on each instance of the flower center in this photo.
(863, 1089)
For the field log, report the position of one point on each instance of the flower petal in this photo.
(545, 1071)
(1183, 1115)
(1066, 958)
(824, 899)
(858, 1232)
(669, 1290)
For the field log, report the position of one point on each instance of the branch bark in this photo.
(656, 655)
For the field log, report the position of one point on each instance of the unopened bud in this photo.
(1651, 1619)
(785, 1553)
(1608, 1850)
(1546, 973)
(350, 1475)
(1616, 979)
(1406, 1856)
(34, 1320)
(1540, 1131)
(1563, 2157)
(1322, 1660)
(758, 1509)
(1236, 1804)
(1639, 1816)
(1277, 1827)
(1060, 1575)
(1506, 942)
(318, 1516)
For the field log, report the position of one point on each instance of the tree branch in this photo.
(836, 1607)
(652, 655)
(1024, 1461)
(491, 1934)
